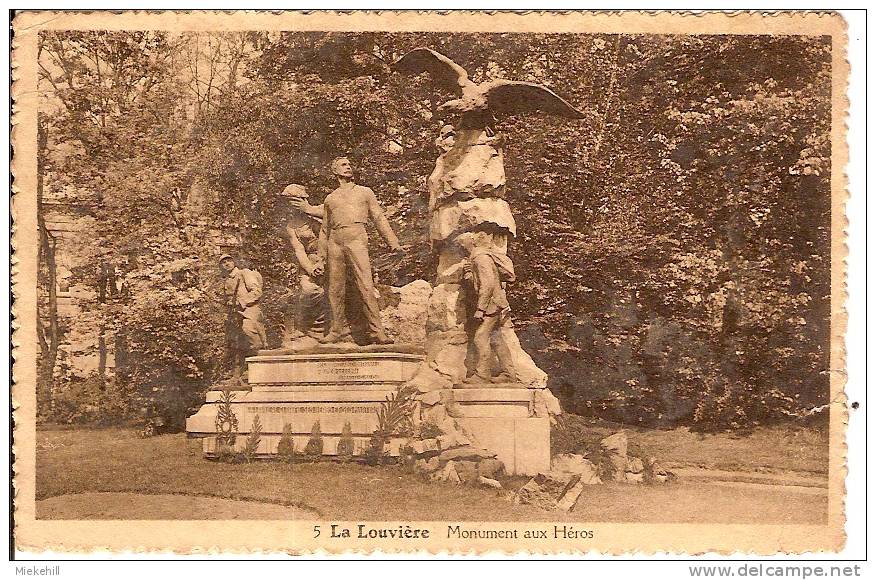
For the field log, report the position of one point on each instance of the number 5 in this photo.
(315, 531)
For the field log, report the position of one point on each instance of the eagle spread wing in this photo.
(443, 70)
(512, 97)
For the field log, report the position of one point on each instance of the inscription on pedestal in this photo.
(362, 417)
(361, 370)
(313, 408)
(337, 369)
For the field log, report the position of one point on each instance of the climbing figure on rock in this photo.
(486, 271)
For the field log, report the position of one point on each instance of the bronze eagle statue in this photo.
(478, 102)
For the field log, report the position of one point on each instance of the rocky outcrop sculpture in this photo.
(467, 194)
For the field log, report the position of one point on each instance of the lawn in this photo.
(764, 449)
(75, 461)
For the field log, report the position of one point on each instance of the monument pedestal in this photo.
(501, 419)
(342, 388)
(291, 390)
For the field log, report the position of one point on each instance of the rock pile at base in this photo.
(576, 465)
(562, 486)
(453, 457)
(617, 465)
(551, 490)
(459, 464)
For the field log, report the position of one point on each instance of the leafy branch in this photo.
(395, 415)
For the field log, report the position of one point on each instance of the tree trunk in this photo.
(49, 335)
(101, 359)
(120, 352)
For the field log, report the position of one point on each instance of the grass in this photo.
(71, 461)
(776, 448)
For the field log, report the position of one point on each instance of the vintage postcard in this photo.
(428, 282)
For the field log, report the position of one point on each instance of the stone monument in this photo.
(321, 397)
(335, 390)
(476, 392)
(475, 369)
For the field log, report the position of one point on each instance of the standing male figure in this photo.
(344, 247)
(244, 327)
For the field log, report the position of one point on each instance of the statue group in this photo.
(330, 244)
(470, 227)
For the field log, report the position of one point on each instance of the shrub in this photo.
(346, 444)
(286, 445)
(315, 443)
(396, 414)
(251, 446)
(90, 400)
(573, 434)
(226, 425)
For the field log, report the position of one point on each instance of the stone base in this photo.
(522, 444)
(297, 391)
(351, 367)
(342, 391)
(300, 410)
(501, 418)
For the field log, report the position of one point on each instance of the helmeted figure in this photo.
(244, 325)
(302, 231)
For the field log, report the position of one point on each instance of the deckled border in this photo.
(295, 537)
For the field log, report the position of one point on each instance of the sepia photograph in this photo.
(421, 282)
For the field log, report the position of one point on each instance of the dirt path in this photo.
(777, 477)
(135, 506)
(706, 502)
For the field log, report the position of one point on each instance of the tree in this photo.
(119, 103)
(48, 327)
(673, 247)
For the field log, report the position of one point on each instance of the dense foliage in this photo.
(673, 247)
